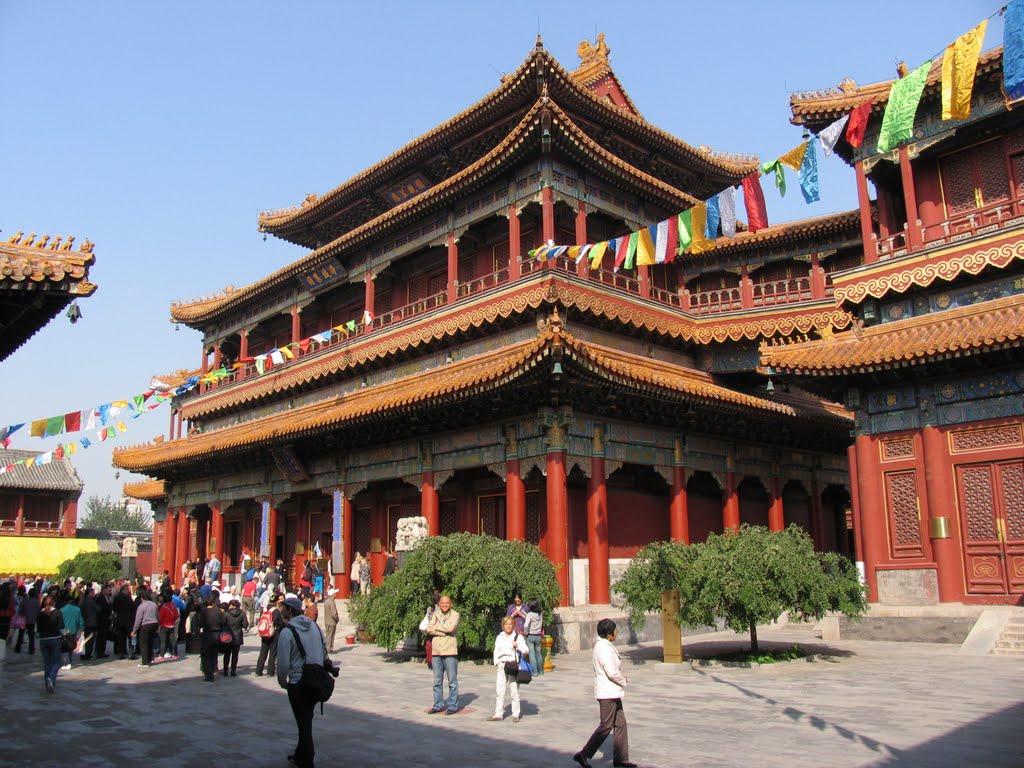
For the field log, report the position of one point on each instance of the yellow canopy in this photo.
(39, 554)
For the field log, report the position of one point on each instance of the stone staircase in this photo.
(1011, 640)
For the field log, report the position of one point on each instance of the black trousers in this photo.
(168, 641)
(208, 655)
(102, 636)
(145, 635)
(120, 640)
(230, 658)
(613, 717)
(268, 655)
(90, 644)
(31, 630)
(302, 707)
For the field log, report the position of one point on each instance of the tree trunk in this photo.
(753, 637)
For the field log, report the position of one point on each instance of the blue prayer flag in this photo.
(711, 222)
(808, 173)
(1013, 51)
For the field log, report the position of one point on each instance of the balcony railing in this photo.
(31, 527)
(980, 221)
(764, 294)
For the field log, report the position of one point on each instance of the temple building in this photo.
(932, 367)
(416, 361)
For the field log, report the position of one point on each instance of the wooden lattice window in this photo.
(974, 178)
(904, 522)
(361, 530)
(533, 517)
(448, 515)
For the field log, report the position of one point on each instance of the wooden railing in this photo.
(980, 221)
(782, 291)
(721, 300)
(478, 284)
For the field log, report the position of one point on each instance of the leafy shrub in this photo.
(479, 573)
(90, 566)
(745, 578)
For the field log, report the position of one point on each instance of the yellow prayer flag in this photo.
(71, 448)
(120, 403)
(795, 157)
(121, 427)
(287, 353)
(30, 461)
(597, 254)
(698, 218)
(573, 252)
(645, 248)
(958, 69)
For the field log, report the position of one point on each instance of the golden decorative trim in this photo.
(925, 274)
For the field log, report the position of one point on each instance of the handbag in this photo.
(512, 668)
(226, 637)
(523, 673)
(68, 643)
(317, 679)
(18, 621)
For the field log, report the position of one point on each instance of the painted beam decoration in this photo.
(325, 274)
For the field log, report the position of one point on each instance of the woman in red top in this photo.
(168, 616)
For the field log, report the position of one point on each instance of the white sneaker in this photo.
(66, 666)
(167, 655)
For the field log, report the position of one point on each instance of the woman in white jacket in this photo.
(506, 644)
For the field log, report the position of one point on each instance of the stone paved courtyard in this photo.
(870, 704)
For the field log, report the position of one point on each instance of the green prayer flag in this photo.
(776, 167)
(351, 325)
(54, 425)
(898, 121)
(685, 231)
(631, 250)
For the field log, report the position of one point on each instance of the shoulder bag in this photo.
(317, 679)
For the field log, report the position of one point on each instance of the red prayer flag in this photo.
(753, 201)
(73, 421)
(857, 124)
(304, 345)
(620, 254)
(58, 453)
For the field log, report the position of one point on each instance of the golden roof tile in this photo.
(462, 379)
(148, 490)
(786, 232)
(493, 161)
(813, 107)
(918, 340)
(36, 260)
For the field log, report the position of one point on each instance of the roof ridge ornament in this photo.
(591, 55)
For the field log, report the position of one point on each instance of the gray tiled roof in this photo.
(55, 476)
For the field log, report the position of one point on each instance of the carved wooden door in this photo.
(991, 500)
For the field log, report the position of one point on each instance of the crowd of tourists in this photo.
(152, 623)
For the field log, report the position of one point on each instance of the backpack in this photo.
(317, 679)
(249, 574)
(265, 626)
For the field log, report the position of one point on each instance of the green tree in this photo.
(108, 515)
(90, 566)
(479, 573)
(747, 578)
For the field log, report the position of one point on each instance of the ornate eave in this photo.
(568, 136)
(518, 299)
(39, 277)
(788, 233)
(958, 332)
(146, 490)
(517, 90)
(816, 109)
(922, 268)
(484, 377)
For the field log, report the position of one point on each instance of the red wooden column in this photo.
(465, 514)
(243, 352)
(369, 299)
(583, 266)
(181, 553)
(514, 243)
(872, 507)
(216, 356)
(776, 515)
(817, 278)
(170, 428)
(643, 274)
(296, 324)
(858, 546)
(547, 204)
(170, 542)
(746, 289)
(731, 505)
(515, 490)
(867, 232)
(558, 507)
(817, 513)
(19, 523)
(217, 532)
(597, 524)
(70, 519)
(430, 506)
(272, 533)
(914, 238)
(453, 268)
(938, 477)
(679, 513)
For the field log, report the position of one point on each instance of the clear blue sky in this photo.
(159, 130)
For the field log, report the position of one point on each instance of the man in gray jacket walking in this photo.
(289, 672)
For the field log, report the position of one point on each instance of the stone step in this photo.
(1013, 635)
(1009, 644)
(1007, 652)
